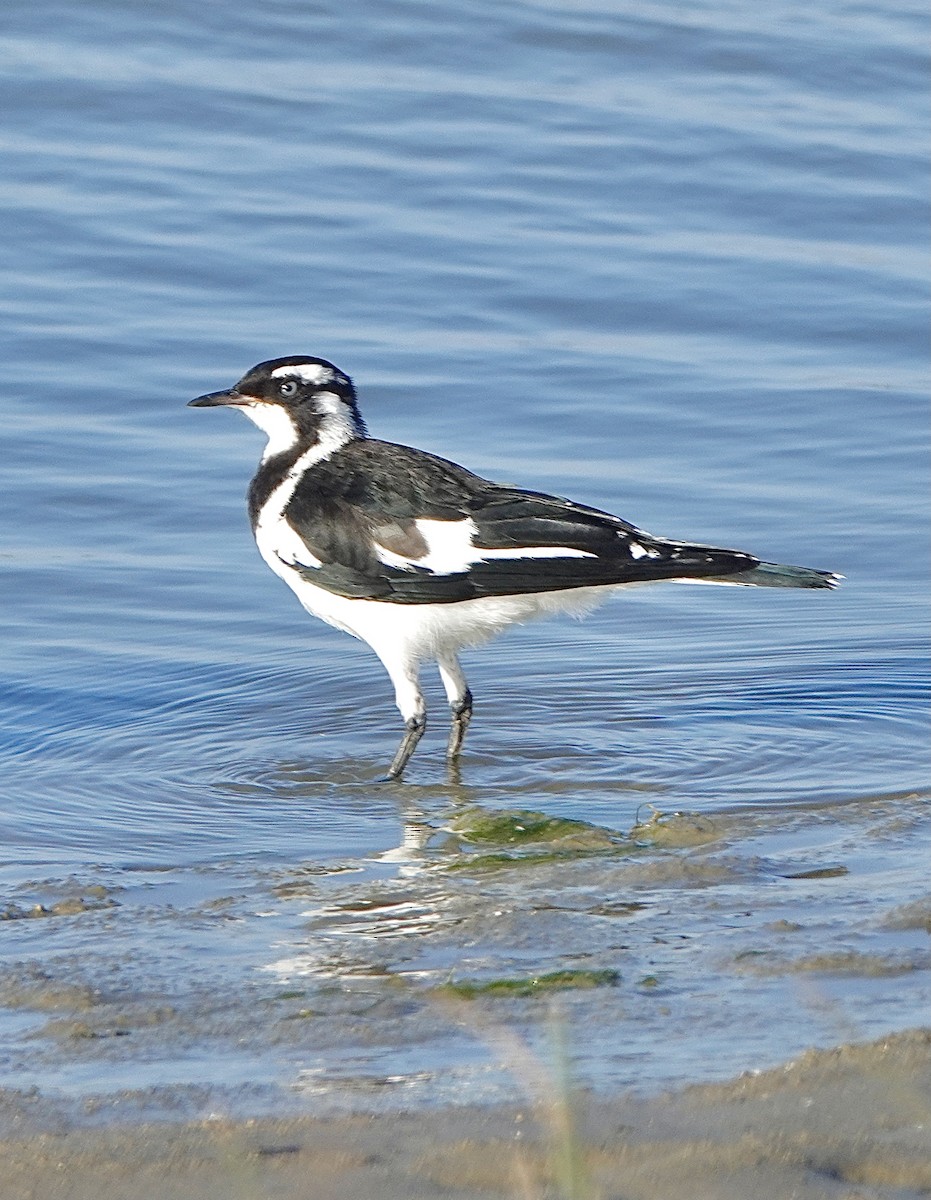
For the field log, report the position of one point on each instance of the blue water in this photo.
(668, 260)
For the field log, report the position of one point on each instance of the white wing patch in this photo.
(638, 551)
(451, 549)
(279, 539)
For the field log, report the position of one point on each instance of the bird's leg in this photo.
(413, 709)
(413, 732)
(462, 715)
(460, 703)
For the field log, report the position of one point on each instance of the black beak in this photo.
(215, 399)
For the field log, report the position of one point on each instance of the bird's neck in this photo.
(286, 466)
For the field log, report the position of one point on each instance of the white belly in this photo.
(424, 632)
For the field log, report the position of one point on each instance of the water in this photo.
(669, 261)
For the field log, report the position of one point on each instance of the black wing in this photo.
(367, 515)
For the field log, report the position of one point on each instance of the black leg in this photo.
(413, 732)
(462, 714)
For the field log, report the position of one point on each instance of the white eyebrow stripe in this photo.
(451, 549)
(307, 372)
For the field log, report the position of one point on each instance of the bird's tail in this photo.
(779, 575)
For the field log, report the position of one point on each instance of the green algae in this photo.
(819, 873)
(522, 837)
(517, 826)
(534, 985)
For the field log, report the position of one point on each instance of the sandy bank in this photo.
(852, 1122)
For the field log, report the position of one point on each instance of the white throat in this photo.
(278, 542)
(336, 427)
(275, 422)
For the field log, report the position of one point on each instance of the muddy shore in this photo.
(853, 1122)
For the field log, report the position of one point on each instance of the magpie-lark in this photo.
(419, 557)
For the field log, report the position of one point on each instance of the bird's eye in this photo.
(287, 389)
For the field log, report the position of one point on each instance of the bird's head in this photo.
(297, 401)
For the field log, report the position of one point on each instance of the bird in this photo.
(421, 558)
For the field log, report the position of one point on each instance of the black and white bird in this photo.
(419, 557)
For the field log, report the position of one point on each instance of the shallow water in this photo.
(671, 267)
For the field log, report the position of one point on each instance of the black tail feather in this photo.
(780, 575)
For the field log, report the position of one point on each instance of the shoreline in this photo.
(851, 1121)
